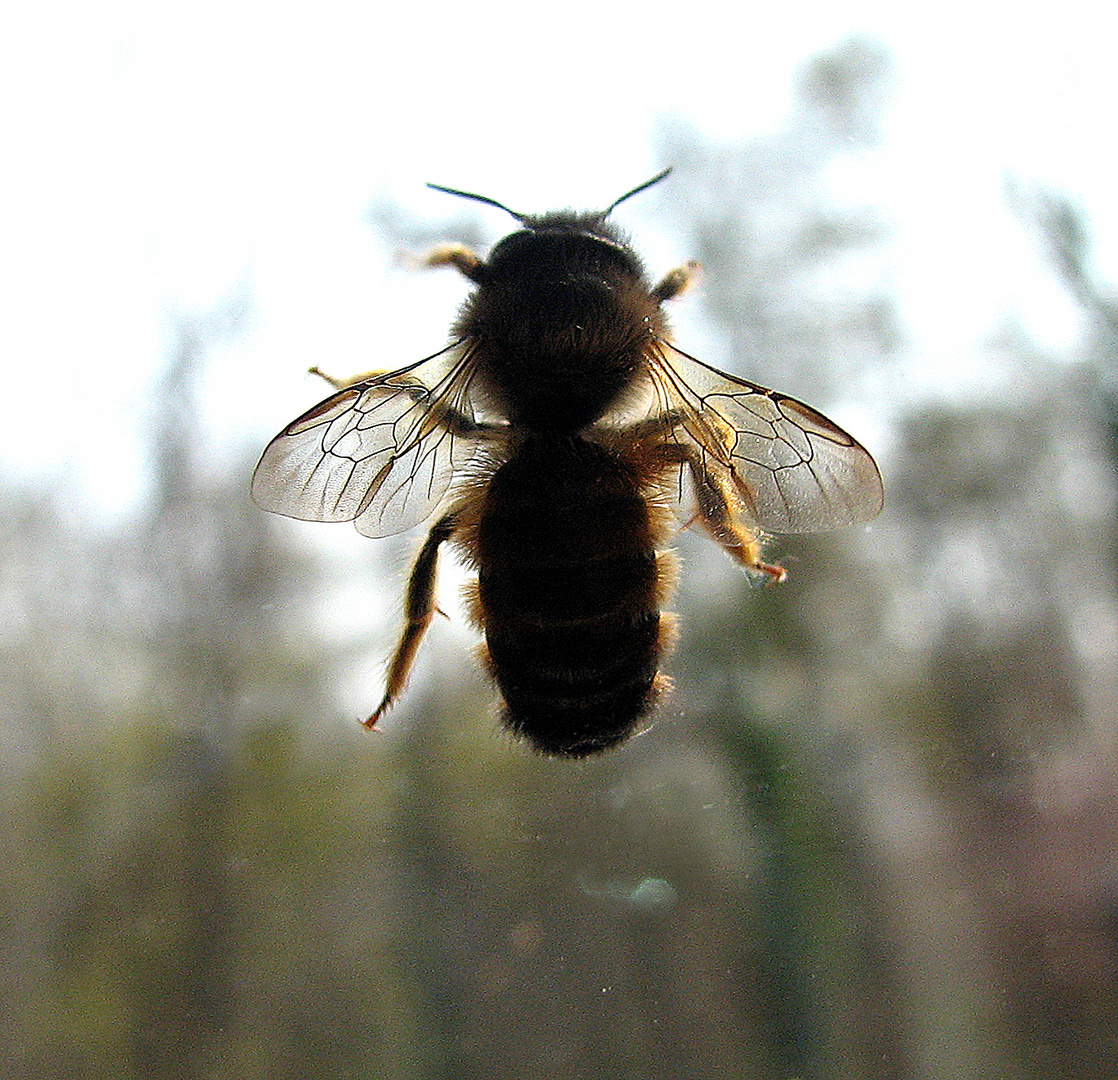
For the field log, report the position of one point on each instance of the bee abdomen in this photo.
(569, 596)
(571, 694)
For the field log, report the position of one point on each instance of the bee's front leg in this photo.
(676, 282)
(465, 261)
(419, 609)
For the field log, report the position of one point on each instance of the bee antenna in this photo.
(639, 188)
(482, 199)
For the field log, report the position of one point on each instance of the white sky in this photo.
(160, 156)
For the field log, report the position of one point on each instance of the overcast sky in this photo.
(160, 157)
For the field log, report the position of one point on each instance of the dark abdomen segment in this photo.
(568, 584)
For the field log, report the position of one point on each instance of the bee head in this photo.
(586, 242)
(562, 245)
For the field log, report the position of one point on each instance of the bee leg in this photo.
(740, 542)
(715, 511)
(444, 415)
(420, 609)
(676, 282)
(341, 384)
(407, 383)
(459, 256)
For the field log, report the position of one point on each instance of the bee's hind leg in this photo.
(420, 609)
(716, 513)
(742, 543)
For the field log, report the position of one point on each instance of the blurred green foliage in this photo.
(870, 835)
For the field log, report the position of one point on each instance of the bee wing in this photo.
(794, 470)
(381, 452)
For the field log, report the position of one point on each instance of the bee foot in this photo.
(776, 573)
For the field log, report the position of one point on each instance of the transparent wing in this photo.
(380, 453)
(793, 470)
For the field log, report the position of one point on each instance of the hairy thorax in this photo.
(559, 351)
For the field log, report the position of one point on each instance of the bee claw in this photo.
(776, 573)
(316, 370)
(370, 722)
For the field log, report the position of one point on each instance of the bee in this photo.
(556, 439)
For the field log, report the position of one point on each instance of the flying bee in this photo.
(557, 438)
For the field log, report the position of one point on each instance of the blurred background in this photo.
(872, 832)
